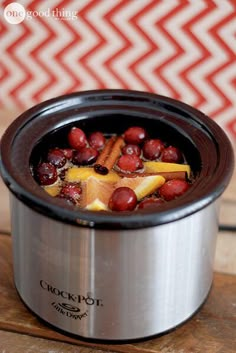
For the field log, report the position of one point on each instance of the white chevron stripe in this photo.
(87, 41)
(113, 45)
(44, 5)
(39, 76)
(218, 62)
(138, 44)
(227, 32)
(223, 80)
(63, 37)
(164, 47)
(16, 74)
(218, 57)
(191, 51)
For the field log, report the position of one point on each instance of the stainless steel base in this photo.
(113, 285)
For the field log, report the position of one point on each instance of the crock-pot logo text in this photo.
(76, 298)
(68, 309)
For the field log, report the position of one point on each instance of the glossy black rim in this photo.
(189, 126)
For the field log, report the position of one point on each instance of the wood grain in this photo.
(11, 342)
(211, 330)
(4, 208)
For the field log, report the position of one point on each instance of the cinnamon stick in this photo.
(167, 175)
(99, 166)
(106, 150)
(109, 155)
(115, 152)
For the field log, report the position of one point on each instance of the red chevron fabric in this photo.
(184, 49)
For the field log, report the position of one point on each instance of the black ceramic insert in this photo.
(204, 144)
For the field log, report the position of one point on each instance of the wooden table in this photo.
(211, 330)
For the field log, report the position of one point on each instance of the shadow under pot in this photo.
(114, 276)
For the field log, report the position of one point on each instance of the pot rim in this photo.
(207, 187)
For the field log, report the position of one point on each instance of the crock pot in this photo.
(114, 276)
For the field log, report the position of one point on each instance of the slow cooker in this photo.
(114, 276)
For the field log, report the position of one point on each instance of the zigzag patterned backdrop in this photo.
(184, 49)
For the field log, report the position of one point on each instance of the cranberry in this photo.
(46, 173)
(85, 156)
(152, 149)
(150, 203)
(171, 155)
(123, 199)
(130, 163)
(131, 149)
(77, 138)
(97, 140)
(71, 192)
(173, 189)
(135, 135)
(56, 157)
(68, 153)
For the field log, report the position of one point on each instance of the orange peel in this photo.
(159, 167)
(143, 185)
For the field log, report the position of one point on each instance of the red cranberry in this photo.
(46, 173)
(152, 149)
(96, 140)
(130, 163)
(123, 199)
(56, 157)
(173, 189)
(71, 192)
(68, 153)
(77, 138)
(85, 156)
(171, 155)
(150, 203)
(135, 135)
(131, 149)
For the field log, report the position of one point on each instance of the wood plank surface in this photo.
(211, 330)
(4, 208)
(11, 342)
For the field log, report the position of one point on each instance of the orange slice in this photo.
(97, 205)
(158, 167)
(143, 185)
(96, 194)
(77, 174)
(52, 190)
